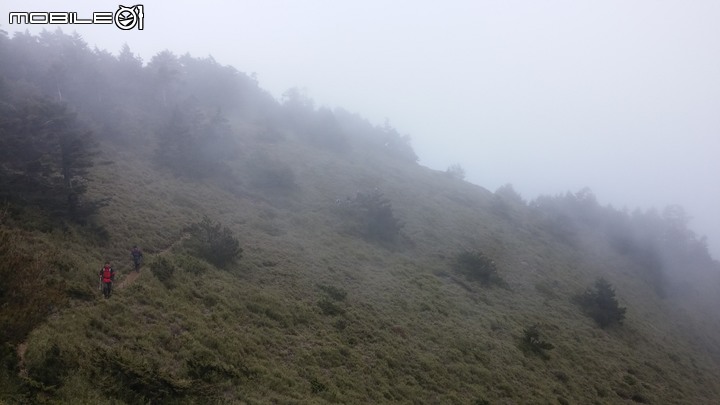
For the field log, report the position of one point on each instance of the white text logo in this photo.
(125, 18)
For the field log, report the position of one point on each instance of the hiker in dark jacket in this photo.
(137, 256)
(107, 275)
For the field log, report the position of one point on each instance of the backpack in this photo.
(107, 274)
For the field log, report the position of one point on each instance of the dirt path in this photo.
(21, 349)
(134, 275)
(127, 281)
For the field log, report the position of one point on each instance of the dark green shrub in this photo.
(316, 386)
(475, 265)
(335, 293)
(639, 398)
(329, 308)
(530, 343)
(191, 264)
(52, 368)
(600, 304)
(629, 380)
(8, 359)
(561, 376)
(139, 379)
(164, 270)
(379, 222)
(82, 292)
(215, 370)
(213, 242)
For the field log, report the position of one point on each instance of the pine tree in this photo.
(601, 305)
(45, 155)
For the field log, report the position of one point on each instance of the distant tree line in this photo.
(46, 154)
(122, 94)
(660, 244)
(174, 105)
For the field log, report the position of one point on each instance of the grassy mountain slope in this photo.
(409, 329)
(317, 312)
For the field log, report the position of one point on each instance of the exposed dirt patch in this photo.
(134, 275)
(21, 349)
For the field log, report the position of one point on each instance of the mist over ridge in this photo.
(441, 209)
(548, 97)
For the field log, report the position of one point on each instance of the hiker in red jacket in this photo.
(107, 275)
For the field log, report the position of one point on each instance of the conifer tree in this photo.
(601, 305)
(45, 155)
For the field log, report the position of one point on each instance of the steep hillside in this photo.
(348, 289)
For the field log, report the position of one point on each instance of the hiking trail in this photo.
(134, 275)
(127, 281)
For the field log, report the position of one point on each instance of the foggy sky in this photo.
(551, 96)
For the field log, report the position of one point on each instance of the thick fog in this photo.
(552, 96)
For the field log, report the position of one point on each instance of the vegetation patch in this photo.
(329, 307)
(30, 290)
(531, 343)
(164, 270)
(52, 366)
(338, 294)
(46, 154)
(316, 386)
(599, 303)
(375, 217)
(476, 265)
(455, 171)
(141, 380)
(213, 242)
(191, 264)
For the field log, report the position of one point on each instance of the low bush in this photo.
(191, 264)
(379, 222)
(371, 215)
(51, 366)
(328, 307)
(477, 266)
(530, 343)
(338, 294)
(316, 386)
(213, 242)
(141, 379)
(164, 270)
(455, 171)
(599, 303)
